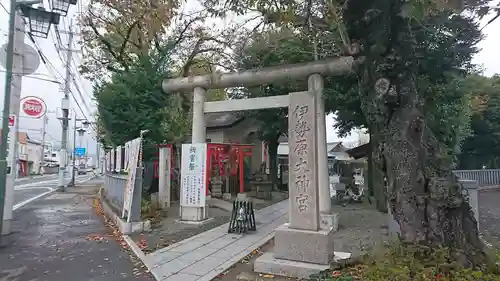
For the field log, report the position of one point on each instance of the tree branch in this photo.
(127, 36)
(184, 31)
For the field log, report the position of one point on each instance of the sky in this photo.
(51, 92)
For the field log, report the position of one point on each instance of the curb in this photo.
(135, 249)
(489, 188)
(123, 226)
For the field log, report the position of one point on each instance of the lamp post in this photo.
(81, 132)
(39, 23)
(39, 20)
(62, 6)
(141, 135)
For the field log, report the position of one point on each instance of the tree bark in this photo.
(425, 198)
(377, 174)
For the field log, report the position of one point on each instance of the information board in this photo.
(193, 175)
(135, 146)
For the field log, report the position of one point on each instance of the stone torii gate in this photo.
(312, 70)
(305, 244)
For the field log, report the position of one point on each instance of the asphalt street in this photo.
(61, 237)
(28, 189)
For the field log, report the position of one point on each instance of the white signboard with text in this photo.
(135, 146)
(119, 159)
(359, 180)
(193, 175)
(334, 180)
(126, 156)
(112, 159)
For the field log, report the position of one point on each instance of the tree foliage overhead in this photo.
(115, 32)
(129, 48)
(132, 101)
(482, 147)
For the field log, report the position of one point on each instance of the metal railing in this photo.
(114, 189)
(484, 177)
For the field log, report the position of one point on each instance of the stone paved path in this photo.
(208, 254)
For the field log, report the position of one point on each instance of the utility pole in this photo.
(74, 150)
(41, 168)
(40, 21)
(63, 153)
(13, 79)
(98, 156)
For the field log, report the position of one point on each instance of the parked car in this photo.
(82, 170)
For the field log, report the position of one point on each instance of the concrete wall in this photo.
(34, 152)
(216, 136)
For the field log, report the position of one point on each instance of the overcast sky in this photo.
(51, 92)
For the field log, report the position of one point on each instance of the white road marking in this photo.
(27, 201)
(46, 182)
(33, 186)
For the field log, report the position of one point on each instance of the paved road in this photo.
(60, 238)
(26, 189)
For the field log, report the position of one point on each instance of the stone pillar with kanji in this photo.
(303, 246)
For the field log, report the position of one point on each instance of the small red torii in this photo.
(219, 153)
(217, 156)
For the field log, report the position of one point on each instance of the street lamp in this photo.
(81, 131)
(62, 6)
(86, 124)
(39, 20)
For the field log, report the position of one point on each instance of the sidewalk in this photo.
(60, 238)
(205, 256)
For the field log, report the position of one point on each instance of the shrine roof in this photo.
(221, 120)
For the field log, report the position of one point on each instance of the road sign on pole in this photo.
(12, 120)
(80, 151)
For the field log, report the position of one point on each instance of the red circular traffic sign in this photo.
(33, 107)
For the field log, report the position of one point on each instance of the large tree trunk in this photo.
(376, 173)
(424, 196)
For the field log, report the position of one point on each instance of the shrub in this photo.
(409, 263)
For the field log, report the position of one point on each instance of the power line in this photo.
(54, 72)
(58, 45)
(5, 9)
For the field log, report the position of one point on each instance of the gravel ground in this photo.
(361, 229)
(168, 230)
(489, 216)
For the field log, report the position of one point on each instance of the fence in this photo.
(114, 189)
(484, 177)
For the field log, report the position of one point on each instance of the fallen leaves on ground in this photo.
(95, 237)
(115, 232)
(98, 207)
(251, 255)
(142, 244)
